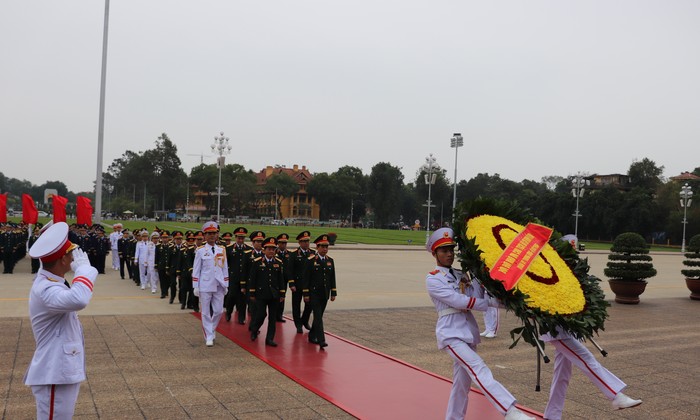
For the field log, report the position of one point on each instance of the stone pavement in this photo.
(147, 360)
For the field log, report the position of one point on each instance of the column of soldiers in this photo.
(13, 245)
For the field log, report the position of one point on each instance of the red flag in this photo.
(84, 211)
(59, 208)
(3, 208)
(517, 257)
(29, 213)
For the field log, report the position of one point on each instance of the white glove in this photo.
(196, 291)
(80, 259)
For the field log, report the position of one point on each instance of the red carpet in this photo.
(363, 382)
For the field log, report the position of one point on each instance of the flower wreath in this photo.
(555, 293)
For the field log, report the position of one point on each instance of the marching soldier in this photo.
(101, 247)
(177, 257)
(238, 255)
(256, 238)
(123, 252)
(32, 240)
(114, 238)
(285, 256)
(299, 258)
(266, 286)
(318, 286)
(162, 253)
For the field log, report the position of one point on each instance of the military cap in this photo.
(143, 232)
(199, 235)
(227, 235)
(270, 242)
(439, 238)
(210, 226)
(177, 234)
(164, 233)
(155, 235)
(283, 237)
(240, 231)
(257, 235)
(52, 244)
(322, 240)
(304, 236)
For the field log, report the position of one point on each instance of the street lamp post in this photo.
(221, 147)
(456, 141)
(686, 200)
(430, 178)
(577, 191)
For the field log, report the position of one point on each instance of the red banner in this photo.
(59, 208)
(3, 208)
(84, 211)
(517, 257)
(29, 213)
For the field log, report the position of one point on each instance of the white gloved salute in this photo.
(80, 259)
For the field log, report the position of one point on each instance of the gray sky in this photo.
(536, 88)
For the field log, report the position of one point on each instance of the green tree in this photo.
(280, 186)
(645, 174)
(383, 192)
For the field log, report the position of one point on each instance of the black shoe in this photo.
(228, 317)
(241, 321)
(299, 330)
(163, 297)
(313, 341)
(122, 278)
(182, 306)
(172, 299)
(281, 320)
(323, 344)
(253, 335)
(270, 343)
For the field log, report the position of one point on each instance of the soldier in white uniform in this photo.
(210, 280)
(490, 323)
(58, 365)
(455, 297)
(145, 257)
(570, 351)
(114, 238)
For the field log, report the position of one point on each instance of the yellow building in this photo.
(300, 205)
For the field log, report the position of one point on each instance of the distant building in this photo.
(685, 177)
(617, 181)
(299, 206)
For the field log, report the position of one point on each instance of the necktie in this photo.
(213, 250)
(453, 273)
(66, 283)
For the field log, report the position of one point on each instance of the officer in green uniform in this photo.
(266, 287)
(285, 256)
(177, 257)
(237, 255)
(318, 286)
(299, 257)
(256, 238)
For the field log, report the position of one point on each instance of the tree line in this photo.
(153, 180)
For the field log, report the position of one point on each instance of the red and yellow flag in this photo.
(517, 257)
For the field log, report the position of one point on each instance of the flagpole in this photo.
(101, 125)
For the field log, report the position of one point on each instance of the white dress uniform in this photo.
(458, 334)
(114, 244)
(570, 351)
(145, 255)
(491, 321)
(210, 281)
(58, 364)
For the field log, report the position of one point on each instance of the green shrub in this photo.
(629, 259)
(692, 255)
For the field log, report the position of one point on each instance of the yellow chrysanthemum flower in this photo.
(549, 282)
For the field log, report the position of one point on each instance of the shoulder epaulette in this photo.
(247, 251)
(311, 257)
(278, 259)
(257, 259)
(201, 246)
(434, 272)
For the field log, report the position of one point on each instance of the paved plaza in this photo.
(146, 359)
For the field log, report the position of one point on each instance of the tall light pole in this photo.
(101, 119)
(222, 148)
(577, 191)
(430, 178)
(456, 141)
(686, 200)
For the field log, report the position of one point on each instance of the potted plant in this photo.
(692, 261)
(629, 264)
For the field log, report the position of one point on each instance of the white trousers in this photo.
(115, 259)
(149, 276)
(468, 366)
(491, 319)
(211, 306)
(55, 402)
(571, 351)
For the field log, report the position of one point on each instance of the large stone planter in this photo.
(694, 287)
(627, 292)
